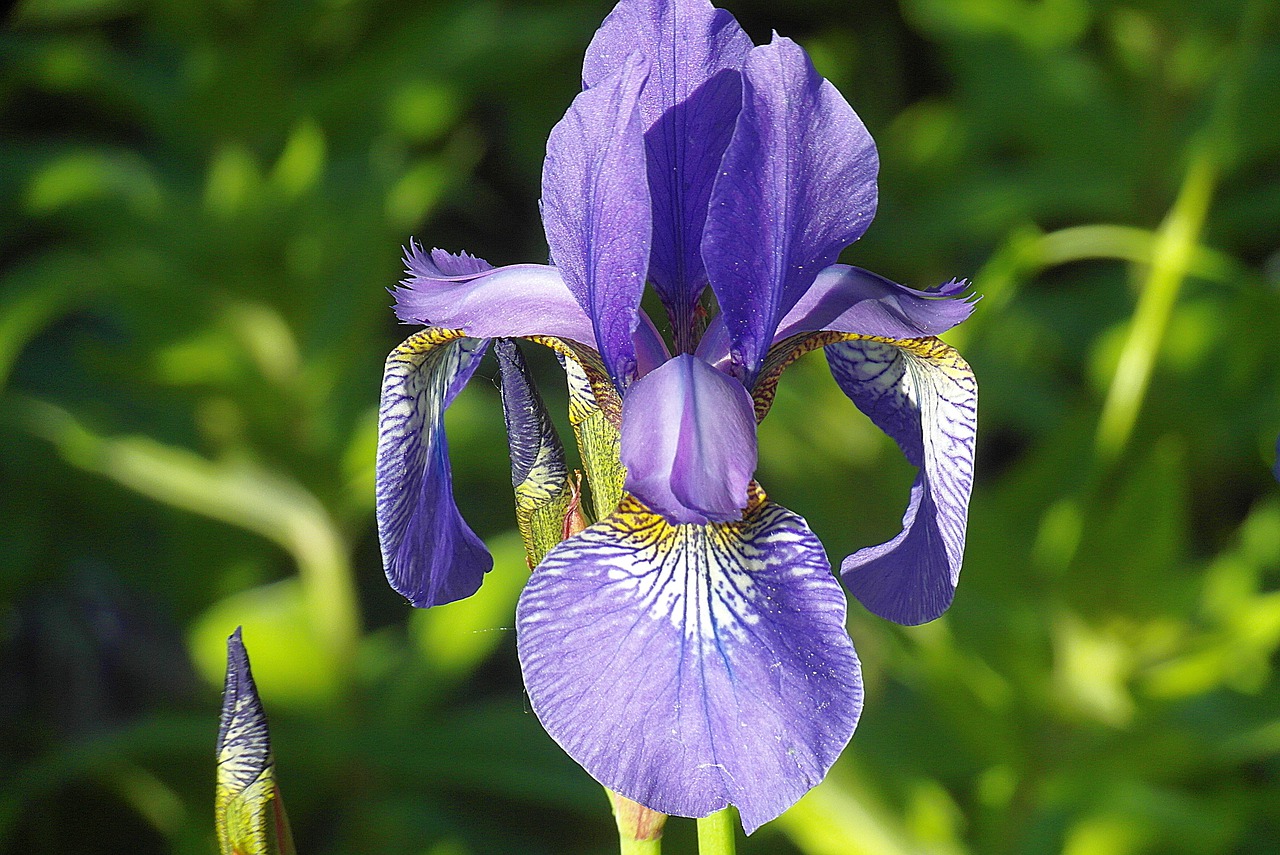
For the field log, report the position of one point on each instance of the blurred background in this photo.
(203, 207)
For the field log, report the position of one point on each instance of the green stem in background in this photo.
(1171, 259)
(716, 833)
(639, 828)
(238, 492)
(1175, 249)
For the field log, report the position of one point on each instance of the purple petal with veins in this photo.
(924, 396)
(688, 108)
(467, 293)
(596, 210)
(692, 667)
(431, 556)
(797, 185)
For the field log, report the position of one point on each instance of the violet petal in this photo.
(853, 300)
(689, 442)
(796, 186)
(924, 395)
(429, 553)
(688, 108)
(692, 667)
(466, 293)
(596, 210)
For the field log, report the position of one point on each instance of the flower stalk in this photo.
(639, 828)
(717, 833)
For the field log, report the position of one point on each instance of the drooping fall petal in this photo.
(923, 394)
(538, 471)
(691, 667)
(430, 554)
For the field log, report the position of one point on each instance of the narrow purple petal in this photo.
(923, 394)
(689, 442)
(429, 553)
(688, 108)
(466, 293)
(797, 185)
(596, 210)
(692, 667)
(244, 745)
(248, 812)
(853, 300)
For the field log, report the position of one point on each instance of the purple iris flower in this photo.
(689, 648)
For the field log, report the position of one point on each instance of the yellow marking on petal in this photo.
(412, 349)
(598, 437)
(784, 353)
(250, 820)
(542, 500)
(700, 577)
(606, 397)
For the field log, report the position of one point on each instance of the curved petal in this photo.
(853, 300)
(466, 293)
(797, 185)
(923, 394)
(688, 108)
(539, 474)
(689, 442)
(692, 667)
(429, 553)
(596, 210)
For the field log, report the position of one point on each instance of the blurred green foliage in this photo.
(203, 204)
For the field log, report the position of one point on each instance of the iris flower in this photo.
(689, 648)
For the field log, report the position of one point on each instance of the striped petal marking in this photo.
(539, 474)
(248, 814)
(923, 394)
(689, 667)
(431, 556)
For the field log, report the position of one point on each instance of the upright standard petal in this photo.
(596, 210)
(248, 813)
(796, 186)
(692, 667)
(466, 293)
(689, 442)
(923, 394)
(688, 108)
(429, 553)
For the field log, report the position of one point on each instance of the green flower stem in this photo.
(639, 828)
(716, 833)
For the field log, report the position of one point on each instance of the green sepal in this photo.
(539, 474)
(599, 441)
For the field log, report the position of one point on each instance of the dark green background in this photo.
(203, 205)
